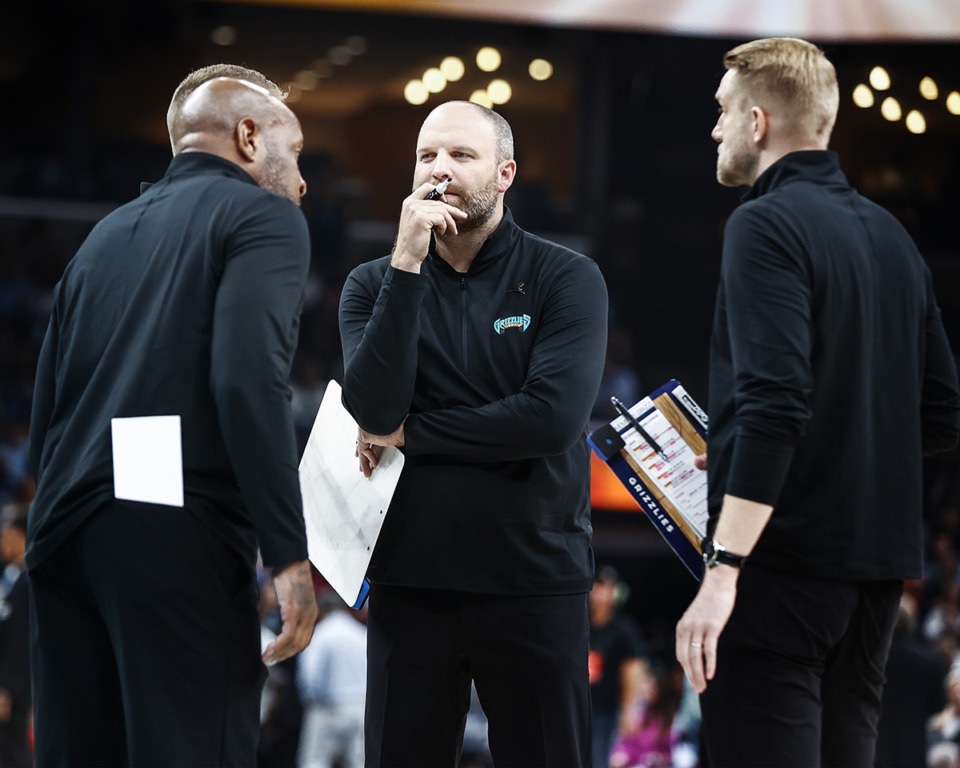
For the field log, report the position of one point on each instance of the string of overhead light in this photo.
(452, 69)
(338, 56)
(890, 108)
(434, 80)
(322, 68)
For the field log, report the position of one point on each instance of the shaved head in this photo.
(200, 76)
(502, 133)
(247, 125)
(215, 109)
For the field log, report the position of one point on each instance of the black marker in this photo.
(437, 192)
(624, 411)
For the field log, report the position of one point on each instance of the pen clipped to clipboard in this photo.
(651, 448)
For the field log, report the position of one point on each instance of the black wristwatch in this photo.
(715, 553)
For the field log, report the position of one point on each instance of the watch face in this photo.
(709, 554)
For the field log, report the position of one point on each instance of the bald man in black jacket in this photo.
(478, 347)
(184, 304)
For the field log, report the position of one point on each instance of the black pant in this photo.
(527, 656)
(145, 645)
(800, 672)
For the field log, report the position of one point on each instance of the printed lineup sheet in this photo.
(343, 510)
(675, 477)
(666, 484)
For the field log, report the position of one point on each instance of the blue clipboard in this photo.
(689, 419)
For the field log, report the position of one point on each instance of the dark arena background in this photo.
(612, 104)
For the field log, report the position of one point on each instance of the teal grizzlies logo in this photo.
(517, 321)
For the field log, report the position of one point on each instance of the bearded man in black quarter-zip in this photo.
(830, 377)
(478, 349)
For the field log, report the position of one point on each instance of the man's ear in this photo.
(247, 138)
(508, 169)
(761, 124)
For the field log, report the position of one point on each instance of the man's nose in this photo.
(441, 167)
(715, 133)
(303, 187)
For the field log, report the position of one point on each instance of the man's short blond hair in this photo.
(790, 76)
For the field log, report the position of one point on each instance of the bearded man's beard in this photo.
(479, 205)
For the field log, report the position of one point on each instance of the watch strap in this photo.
(714, 554)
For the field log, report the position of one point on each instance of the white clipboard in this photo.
(343, 510)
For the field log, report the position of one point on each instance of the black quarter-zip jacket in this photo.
(185, 301)
(495, 371)
(830, 375)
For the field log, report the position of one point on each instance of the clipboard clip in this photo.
(608, 441)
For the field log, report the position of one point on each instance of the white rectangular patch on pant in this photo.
(148, 459)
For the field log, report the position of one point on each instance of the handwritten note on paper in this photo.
(675, 477)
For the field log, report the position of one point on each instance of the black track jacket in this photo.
(830, 375)
(496, 371)
(185, 301)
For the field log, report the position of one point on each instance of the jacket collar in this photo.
(193, 163)
(497, 245)
(817, 165)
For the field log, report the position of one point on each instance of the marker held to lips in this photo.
(437, 192)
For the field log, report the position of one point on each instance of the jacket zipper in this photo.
(463, 322)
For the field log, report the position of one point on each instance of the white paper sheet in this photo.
(147, 459)
(344, 510)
